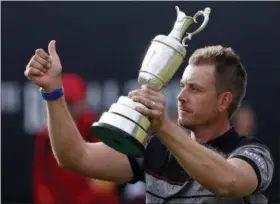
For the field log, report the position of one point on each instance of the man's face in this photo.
(198, 102)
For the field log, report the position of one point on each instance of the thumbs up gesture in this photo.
(44, 69)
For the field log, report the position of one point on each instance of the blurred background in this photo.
(103, 44)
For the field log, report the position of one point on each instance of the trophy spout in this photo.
(183, 22)
(181, 25)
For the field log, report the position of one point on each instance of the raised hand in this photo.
(44, 69)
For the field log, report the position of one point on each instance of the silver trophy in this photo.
(122, 127)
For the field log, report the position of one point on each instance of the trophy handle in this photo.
(205, 15)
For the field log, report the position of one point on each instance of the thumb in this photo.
(52, 49)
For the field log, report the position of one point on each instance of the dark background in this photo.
(108, 40)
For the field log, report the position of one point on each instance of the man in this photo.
(53, 184)
(201, 160)
(244, 121)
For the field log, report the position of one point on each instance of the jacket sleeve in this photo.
(259, 157)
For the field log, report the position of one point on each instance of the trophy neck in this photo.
(180, 27)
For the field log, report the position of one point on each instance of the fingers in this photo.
(38, 64)
(144, 86)
(42, 54)
(40, 60)
(144, 94)
(32, 72)
(150, 90)
(154, 102)
(155, 105)
(148, 112)
(149, 94)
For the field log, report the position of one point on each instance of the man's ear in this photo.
(225, 99)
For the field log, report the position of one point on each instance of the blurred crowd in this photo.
(53, 184)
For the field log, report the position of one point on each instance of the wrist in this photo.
(166, 124)
(53, 95)
(50, 88)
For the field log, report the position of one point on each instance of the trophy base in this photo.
(118, 139)
(123, 128)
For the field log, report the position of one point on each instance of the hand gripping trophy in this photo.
(123, 128)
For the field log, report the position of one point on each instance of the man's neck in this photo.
(204, 134)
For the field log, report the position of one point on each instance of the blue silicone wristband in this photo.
(52, 96)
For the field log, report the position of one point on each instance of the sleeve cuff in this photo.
(253, 165)
(138, 173)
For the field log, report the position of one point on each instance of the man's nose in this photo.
(183, 95)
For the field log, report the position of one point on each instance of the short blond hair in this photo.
(230, 74)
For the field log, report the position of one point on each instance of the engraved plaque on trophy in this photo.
(123, 128)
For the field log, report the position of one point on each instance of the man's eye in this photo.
(194, 88)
